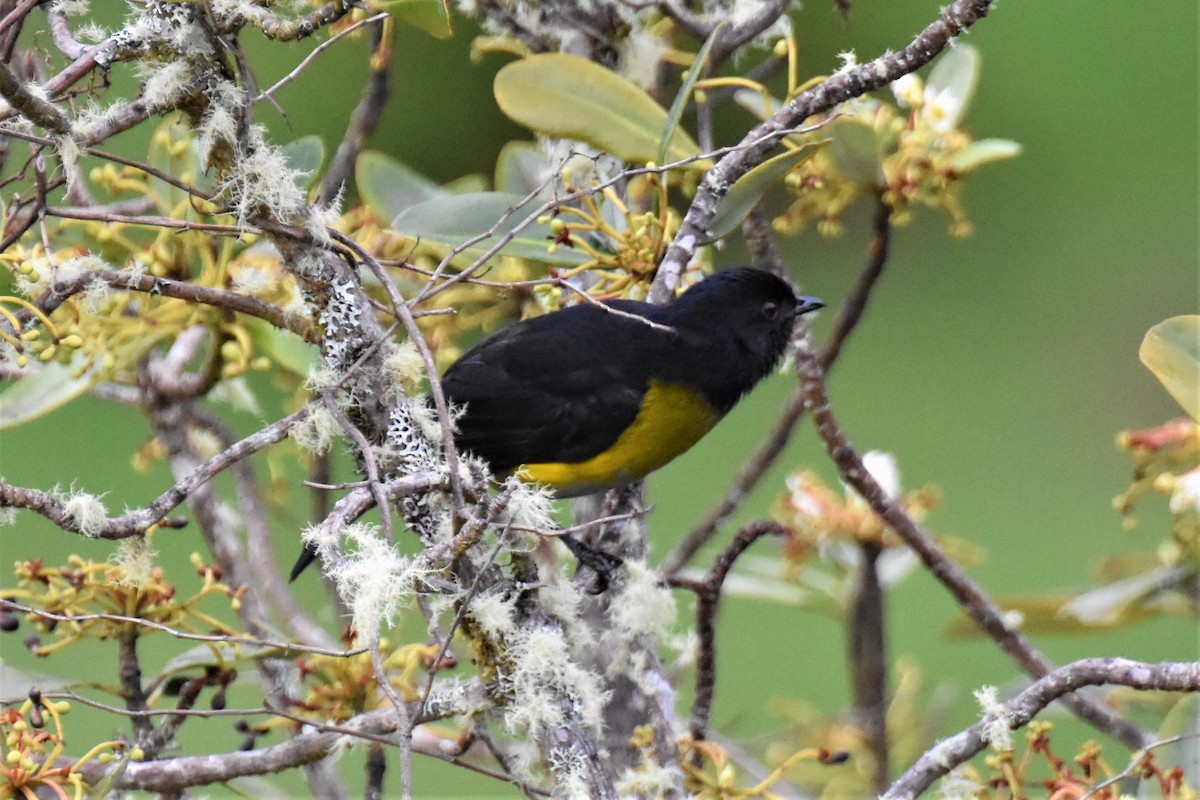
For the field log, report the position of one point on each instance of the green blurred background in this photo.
(999, 368)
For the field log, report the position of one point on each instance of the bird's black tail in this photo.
(307, 556)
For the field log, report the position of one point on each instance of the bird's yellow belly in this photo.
(672, 419)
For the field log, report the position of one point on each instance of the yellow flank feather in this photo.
(672, 419)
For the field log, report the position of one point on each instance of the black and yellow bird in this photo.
(596, 397)
(585, 399)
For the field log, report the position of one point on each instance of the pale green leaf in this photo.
(1108, 604)
(952, 79)
(761, 107)
(283, 347)
(389, 187)
(49, 388)
(521, 168)
(744, 195)
(856, 151)
(18, 682)
(685, 92)
(564, 95)
(430, 16)
(1043, 614)
(1171, 350)
(984, 151)
(452, 220)
(468, 184)
(305, 155)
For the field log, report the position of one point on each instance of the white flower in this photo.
(908, 90)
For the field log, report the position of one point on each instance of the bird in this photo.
(584, 399)
(598, 395)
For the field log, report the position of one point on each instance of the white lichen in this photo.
(997, 727)
(262, 183)
(69, 153)
(372, 578)
(164, 84)
(956, 785)
(645, 607)
(543, 679)
(650, 780)
(570, 769)
(72, 268)
(135, 561)
(72, 8)
(95, 296)
(85, 510)
(639, 54)
(530, 506)
(403, 366)
(316, 432)
(495, 614)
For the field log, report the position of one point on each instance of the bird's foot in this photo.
(598, 561)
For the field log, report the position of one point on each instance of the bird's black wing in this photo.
(558, 388)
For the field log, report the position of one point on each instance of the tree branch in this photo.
(756, 466)
(1166, 677)
(968, 593)
(756, 144)
(134, 523)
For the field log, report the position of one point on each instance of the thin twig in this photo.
(403, 725)
(134, 523)
(365, 118)
(316, 51)
(285, 649)
(59, 292)
(773, 444)
(868, 660)
(758, 143)
(708, 597)
(1136, 761)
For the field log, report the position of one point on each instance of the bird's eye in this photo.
(770, 309)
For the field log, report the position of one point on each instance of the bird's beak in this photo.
(807, 304)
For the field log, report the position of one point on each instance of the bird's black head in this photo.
(747, 302)
(752, 310)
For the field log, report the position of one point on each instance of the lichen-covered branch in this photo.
(1018, 712)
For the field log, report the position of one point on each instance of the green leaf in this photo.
(454, 219)
(467, 184)
(521, 168)
(1110, 604)
(18, 682)
(1171, 350)
(431, 16)
(283, 347)
(954, 75)
(49, 388)
(196, 659)
(305, 155)
(685, 92)
(568, 96)
(984, 151)
(753, 102)
(1043, 614)
(744, 195)
(389, 187)
(856, 151)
